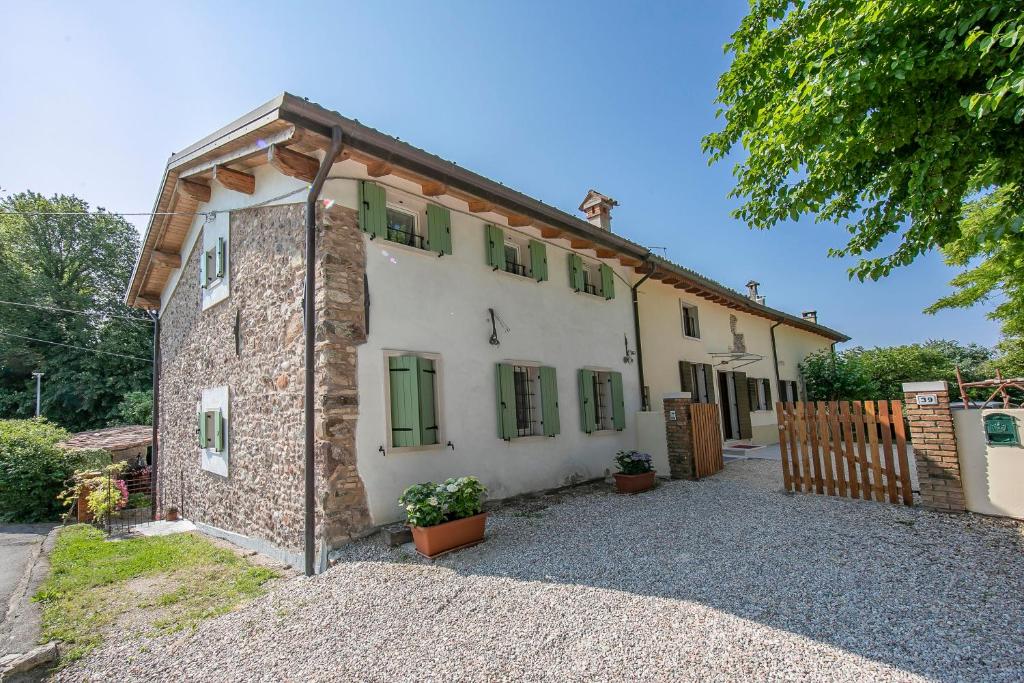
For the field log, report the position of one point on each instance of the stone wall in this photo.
(262, 496)
(934, 441)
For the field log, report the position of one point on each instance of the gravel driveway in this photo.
(723, 579)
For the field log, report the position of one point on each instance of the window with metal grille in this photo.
(514, 262)
(526, 383)
(603, 417)
(591, 280)
(403, 227)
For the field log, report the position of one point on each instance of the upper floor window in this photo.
(403, 227)
(515, 254)
(214, 264)
(411, 222)
(593, 278)
(691, 324)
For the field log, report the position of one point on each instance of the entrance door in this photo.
(735, 405)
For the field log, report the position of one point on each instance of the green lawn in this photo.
(139, 585)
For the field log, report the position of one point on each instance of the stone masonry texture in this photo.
(679, 436)
(262, 496)
(938, 466)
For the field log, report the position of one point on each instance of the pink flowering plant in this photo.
(430, 504)
(633, 462)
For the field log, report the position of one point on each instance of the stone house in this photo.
(461, 327)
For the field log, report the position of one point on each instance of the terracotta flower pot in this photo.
(171, 515)
(461, 533)
(634, 483)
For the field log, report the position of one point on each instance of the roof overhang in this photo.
(291, 133)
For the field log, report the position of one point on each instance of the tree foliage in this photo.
(860, 374)
(54, 255)
(902, 120)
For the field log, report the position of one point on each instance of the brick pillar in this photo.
(679, 435)
(931, 430)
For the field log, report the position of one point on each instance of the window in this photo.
(513, 260)
(514, 254)
(760, 393)
(402, 227)
(212, 430)
(601, 401)
(591, 280)
(597, 279)
(402, 220)
(214, 265)
(412, 396)
(788, 391)
(527, 401)
(698, 379)
(691, 326)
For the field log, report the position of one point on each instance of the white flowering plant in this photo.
(429, 504)
(633, 462)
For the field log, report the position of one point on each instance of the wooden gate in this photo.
(852, 449)
(707, 439)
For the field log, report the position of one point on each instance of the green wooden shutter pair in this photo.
(439, 229)
(607, 281)
(494, 243)
(588, 399)
(539, 260)
(618, 402)
(742, 404)
(373, 217)
(413, 409)
(221, 258)
(576, 280)
(214, 419)
(686, 378)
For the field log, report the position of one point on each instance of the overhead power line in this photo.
(72, 346)
(105, 213)
(70, 310)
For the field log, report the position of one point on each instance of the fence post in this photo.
(934, 441)
(679, 435)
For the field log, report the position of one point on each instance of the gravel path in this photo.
(724, 579)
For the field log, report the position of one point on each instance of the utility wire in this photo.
(80, 348)
(69, 310)
(97, 214)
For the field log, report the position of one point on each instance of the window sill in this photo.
(605, 432)
(403, 246)
(416, 449)
(690, 337)
(527, 439)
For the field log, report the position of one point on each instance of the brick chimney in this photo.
(752, 292)
(598, 209)
(810, 316)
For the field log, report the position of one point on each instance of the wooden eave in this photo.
(287, 131)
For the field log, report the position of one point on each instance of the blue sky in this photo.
(551, 99)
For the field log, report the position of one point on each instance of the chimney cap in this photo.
(594, 197)
(811, 316)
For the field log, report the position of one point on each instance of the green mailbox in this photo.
(1001, 430)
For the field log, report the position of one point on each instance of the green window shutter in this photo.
(685, 377)
(222, 256)
(742, 404)
(549, 402)
(202, 270)
(218, 430)
(767, 394)
(201, 419)
(618, 402)
(607, 281)
(752, 393)
(494, 242)
(575, 272)
(506, 401)
(373, 217)
(428, 410)
(539, 260)
(439, 229)
(405, 399)
(709, 382)
(588, 419)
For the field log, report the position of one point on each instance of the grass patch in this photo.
(152, 584)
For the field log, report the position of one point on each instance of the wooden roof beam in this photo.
(166, 258)
(605, 253)
(292, 163)
(517, 221)
(235, 180)
(670, 280)
(376, 169)
(549, 232)
(579, 243)
(194, 189)
(433, 189)
(479, 206)
(629, 261)
(150, 303)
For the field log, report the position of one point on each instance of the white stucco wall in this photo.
(664, 345)
(992, 476)
(422, 303)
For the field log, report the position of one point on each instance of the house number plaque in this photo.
(927, 400)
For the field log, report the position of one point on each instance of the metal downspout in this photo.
(775, 356)
(644, 403)
(309, 323)
(155, 447)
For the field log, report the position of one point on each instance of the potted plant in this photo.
(171, 514)
(635, 473)
(445, 516)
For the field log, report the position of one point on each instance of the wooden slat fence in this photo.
(707, 439)
(855, 449)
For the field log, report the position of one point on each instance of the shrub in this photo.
(429, 504)
(633, 462)
(33, 470)
(136, 408)
(139, 500)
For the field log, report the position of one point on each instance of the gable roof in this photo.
(288, 124)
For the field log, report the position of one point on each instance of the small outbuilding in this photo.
(130, 443)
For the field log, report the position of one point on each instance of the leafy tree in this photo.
(56, 254)
(901, 119)
(135, 409)
(836, 377)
